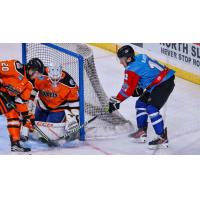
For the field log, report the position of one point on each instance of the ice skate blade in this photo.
(20, 153)
(140, 140)
(159, 146)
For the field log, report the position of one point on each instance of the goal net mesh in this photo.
(95, 98)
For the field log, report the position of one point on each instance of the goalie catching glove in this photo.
(114, 104)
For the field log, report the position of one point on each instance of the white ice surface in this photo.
(181, 111)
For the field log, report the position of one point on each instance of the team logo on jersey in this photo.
(48, 94)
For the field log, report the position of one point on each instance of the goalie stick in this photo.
(44, 136)
(67, 136)
(74, 132)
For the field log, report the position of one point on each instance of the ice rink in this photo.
(181, 115)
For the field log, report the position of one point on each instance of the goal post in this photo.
(80, 84)
(78, 60)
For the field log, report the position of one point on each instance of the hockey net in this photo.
(95, 98)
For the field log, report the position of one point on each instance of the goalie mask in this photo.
(54, 73)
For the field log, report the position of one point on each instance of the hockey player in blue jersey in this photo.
(153, 82)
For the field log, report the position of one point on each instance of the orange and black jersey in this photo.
(63, 96)
(14, 79)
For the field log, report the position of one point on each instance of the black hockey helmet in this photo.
(36, 65)
(126, 51)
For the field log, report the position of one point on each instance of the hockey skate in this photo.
(161, 142)
(140, 136)
(17, 147)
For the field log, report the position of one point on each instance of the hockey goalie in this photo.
(56, 97)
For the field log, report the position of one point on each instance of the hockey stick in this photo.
(36, 128)
(9, 104)
(67, 136)
(44, 136)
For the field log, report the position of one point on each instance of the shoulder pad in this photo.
(68, 80)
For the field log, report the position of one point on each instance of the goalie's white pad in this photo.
(75, 112)
(56, 130)
(52, 130)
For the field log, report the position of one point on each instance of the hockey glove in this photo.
(114, 104)
(29, 121)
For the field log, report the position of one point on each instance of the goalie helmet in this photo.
(126, 51)
(54, 73)
(36, 65)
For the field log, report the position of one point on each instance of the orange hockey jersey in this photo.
(13, 79)
(57, 98)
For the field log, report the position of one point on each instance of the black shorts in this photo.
(159, 94)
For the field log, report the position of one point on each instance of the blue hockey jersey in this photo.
(142, 73)
(147, 69)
